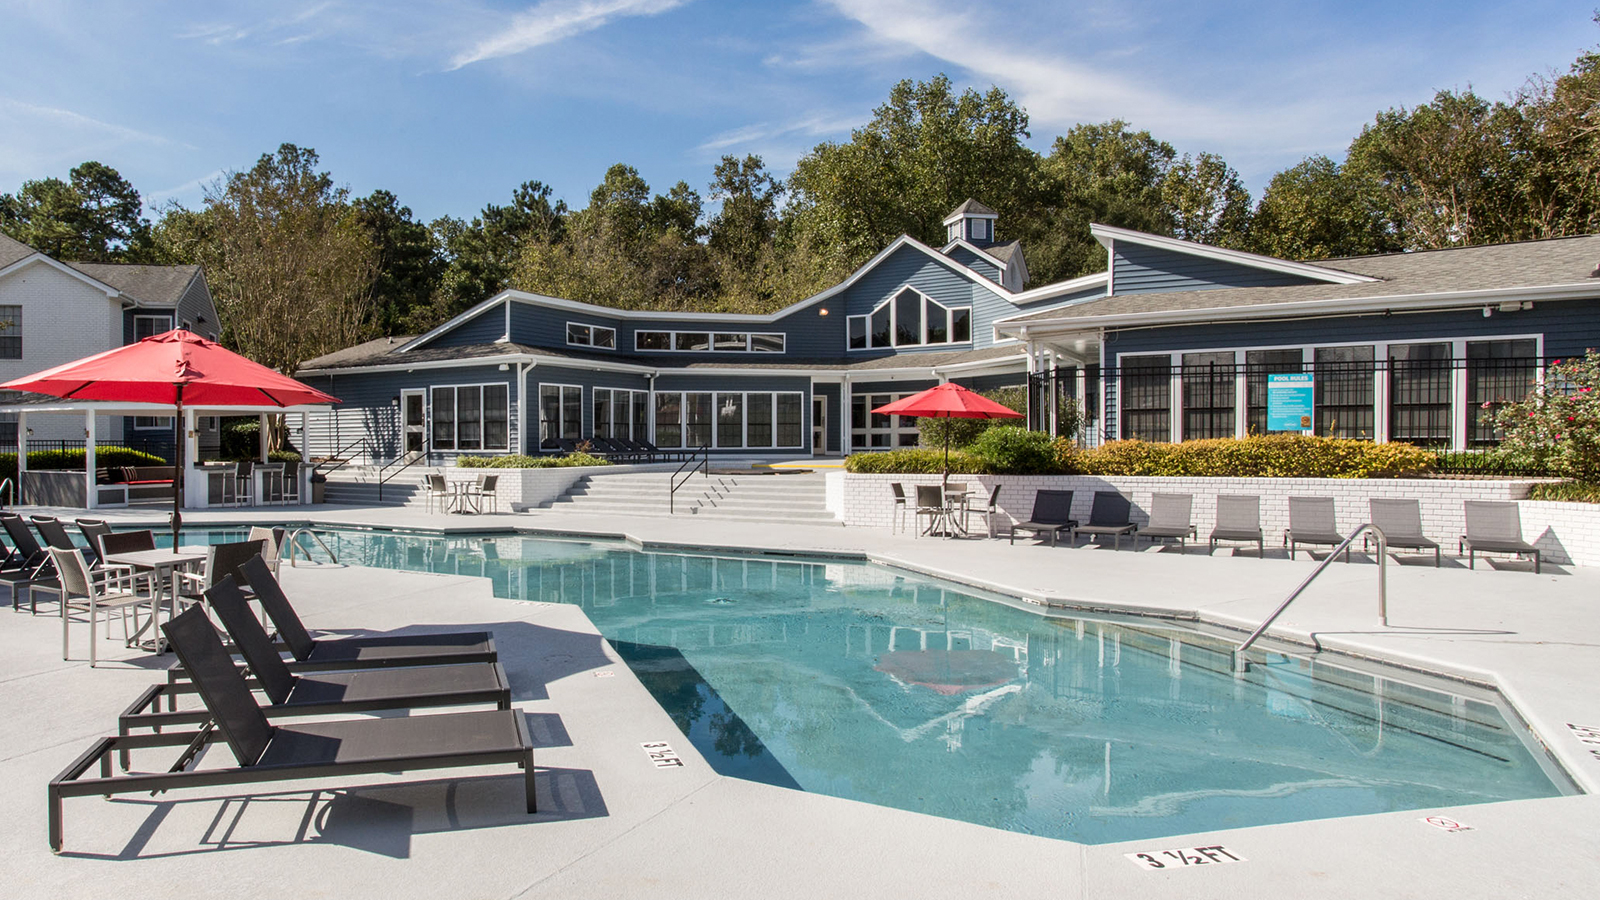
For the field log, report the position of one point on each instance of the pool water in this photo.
(865, 682)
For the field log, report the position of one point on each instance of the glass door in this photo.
(819, 426)
(414, 420)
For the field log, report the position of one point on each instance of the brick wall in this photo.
(1567, 532)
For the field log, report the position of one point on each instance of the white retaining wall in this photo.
(1566, 532)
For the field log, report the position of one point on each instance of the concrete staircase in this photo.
(358, 486)
(739, 497)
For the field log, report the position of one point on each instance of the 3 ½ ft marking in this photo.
(662, 755)
(1184, 857)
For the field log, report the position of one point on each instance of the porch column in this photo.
(1055, 405)
(196, 487)
(303, 471)
(22, 455)
(847, 404)
(1027, 395)
(88, 460)
(261, 435)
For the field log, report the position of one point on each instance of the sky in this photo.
(451, 104)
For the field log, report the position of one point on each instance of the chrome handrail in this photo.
(12, 485)
(293, 542)
(703, 453)
(1240, 664)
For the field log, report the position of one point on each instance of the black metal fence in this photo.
(1422, 399)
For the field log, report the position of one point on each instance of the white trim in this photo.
(139, 315)
(962, 242)
(592, 329)
(59, 266)
(483, 418)
(1108, 234)
(711, 340)
(958, 215)
(894, 321)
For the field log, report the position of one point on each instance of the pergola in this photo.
(195, 490)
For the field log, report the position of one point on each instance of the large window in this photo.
(729, 420)
(669, 420)
(10, 332)
(1344, 392)
(876, 431)
(1420, 394)
(620, 413)
(910, 319)
(1258, 364)
(713, 342)
(148, 325)
(560, 413)
(581, 335)
(471, 417)
(1209, 395)
(1498, 372)
(1147, 397)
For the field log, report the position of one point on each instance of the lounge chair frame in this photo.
(1231, 522)
(1313, 521)
(1164, 524)
(1052, 511)
(1110, 514)
(1506, 519)
(1400, 520)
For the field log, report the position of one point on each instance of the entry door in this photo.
(414, 420)
(819, 426)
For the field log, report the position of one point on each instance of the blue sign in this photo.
(1289, 399)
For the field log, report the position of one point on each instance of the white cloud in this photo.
(813, 126)
(555, 20)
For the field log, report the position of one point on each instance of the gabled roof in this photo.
(971, 209)
(148, 285)
(1108, 235)
(13, 250)
(1458, 277)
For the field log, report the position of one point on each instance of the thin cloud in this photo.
(556, 20)
(816, 125)
(18, 112)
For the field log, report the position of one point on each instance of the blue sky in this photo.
(451, 104)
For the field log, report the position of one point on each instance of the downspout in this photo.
(522, 404)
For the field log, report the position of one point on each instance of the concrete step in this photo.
(735, 497)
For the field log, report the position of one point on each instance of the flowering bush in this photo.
(1558, 425)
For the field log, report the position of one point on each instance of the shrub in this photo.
(962, 432)
(914, 461)
(519, 461)
(1567, 491)
(1016, 451)
(104, 457)
(1558, 426)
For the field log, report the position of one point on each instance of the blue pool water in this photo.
(869, 683)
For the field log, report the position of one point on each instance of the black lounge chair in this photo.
(1401, 524)
(266, 752)
(93, 530)
(1109, 514)
(1239, 519)
(1052, 511)
(221, 560)
(1495, 526)
(320, 693)
(55, 535)
(34, 572)
(666, 455)
(1171, 518)
(1313, 520)
(312, 654)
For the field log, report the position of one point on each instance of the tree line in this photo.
(299, 266)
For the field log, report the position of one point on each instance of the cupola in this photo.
(971, 222)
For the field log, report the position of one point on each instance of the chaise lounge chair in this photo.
(1495, 526)
(1171, 518)
(1401, 524)
(266, 752)
(1110, 514)
(314, 654)
(34, 570)
(319, 693)
(1313, 520)
(1239, 519)
(1052, 511)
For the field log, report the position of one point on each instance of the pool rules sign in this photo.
(1289, 400)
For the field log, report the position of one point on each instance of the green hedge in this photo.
(518, 461)
(1012, 451)
(1566, 491)
(104, 457)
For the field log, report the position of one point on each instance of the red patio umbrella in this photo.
(948, 401)
(175, 368)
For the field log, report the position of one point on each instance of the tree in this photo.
(1315, 211)
(1207, 201)
(289, 263)
(480, 256)
(410, 266)
(94, 216)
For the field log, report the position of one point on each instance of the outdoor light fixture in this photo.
(395, 402)
(1488, 311)
(505, 367)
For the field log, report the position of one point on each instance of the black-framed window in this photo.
(1344, 392)
(444, 418)
(148, 325)
(1210, 393)
(1420, 394)
(1498, 372)
(1147, 397)
(1258, 364)
(10, 331)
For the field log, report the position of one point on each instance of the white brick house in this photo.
(53, 312)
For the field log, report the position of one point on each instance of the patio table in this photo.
(161, 564)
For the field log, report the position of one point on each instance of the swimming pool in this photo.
(869, 683)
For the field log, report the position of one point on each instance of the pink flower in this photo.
(1555, 362)
(1486, 403)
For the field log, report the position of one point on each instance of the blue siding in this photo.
(1569, 327)
(1093, 293)
(587, 379)
(369, 406)
(909, 266)
(484, 328)
(983, 265)
(1138, 269)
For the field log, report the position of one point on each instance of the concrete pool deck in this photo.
(613, 825)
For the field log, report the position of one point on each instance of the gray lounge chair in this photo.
(1109, 514)
(1052, 511)
(35, 572)
(1495, 526)
(1401, 524)
(319, 693)
(991, 510)
(1170, 519)
(1314, 521)
(360, 653)
(93, 530)
(266, 752)
(1239, 519)
(897, 521)
(930, 503)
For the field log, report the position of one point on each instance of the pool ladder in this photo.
(1242, 665)
(294, 542)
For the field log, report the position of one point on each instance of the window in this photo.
(1258, 364)
(730, 420)
(560, 413)
(471, 417)
(145, 326)
(766, 343)
(602, 413)
(737, 342)
(716, 342)
(600, 336)
(790, 419)
(1419, 394)
(10, 332)
(909, 319)
(870, 430)
(1147, 397)
(691, 341)
(620, 413)
(1344, 394)
(652, 340)
(697, 420)
(757, 420)
(669, 420)
(1209, 393)
(152, 423)
(1498, 372)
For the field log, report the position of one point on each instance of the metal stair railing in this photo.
(404, 462)
(1241, 665)
(293, 542)
(338, 456)
(703, 454)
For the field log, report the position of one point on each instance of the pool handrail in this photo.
(1241, 665)
(293, 542)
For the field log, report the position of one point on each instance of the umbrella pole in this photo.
(177, 472)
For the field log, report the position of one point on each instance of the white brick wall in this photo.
(63, 319)
(1567, 532)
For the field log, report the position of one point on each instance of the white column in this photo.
(196, 486)
(1051, 370)
(88, 460)
(304, 469)
(22, 452)
(1458, 395)
(846, 404)
(261, 434)
(1241, 396)
(1175, 399)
